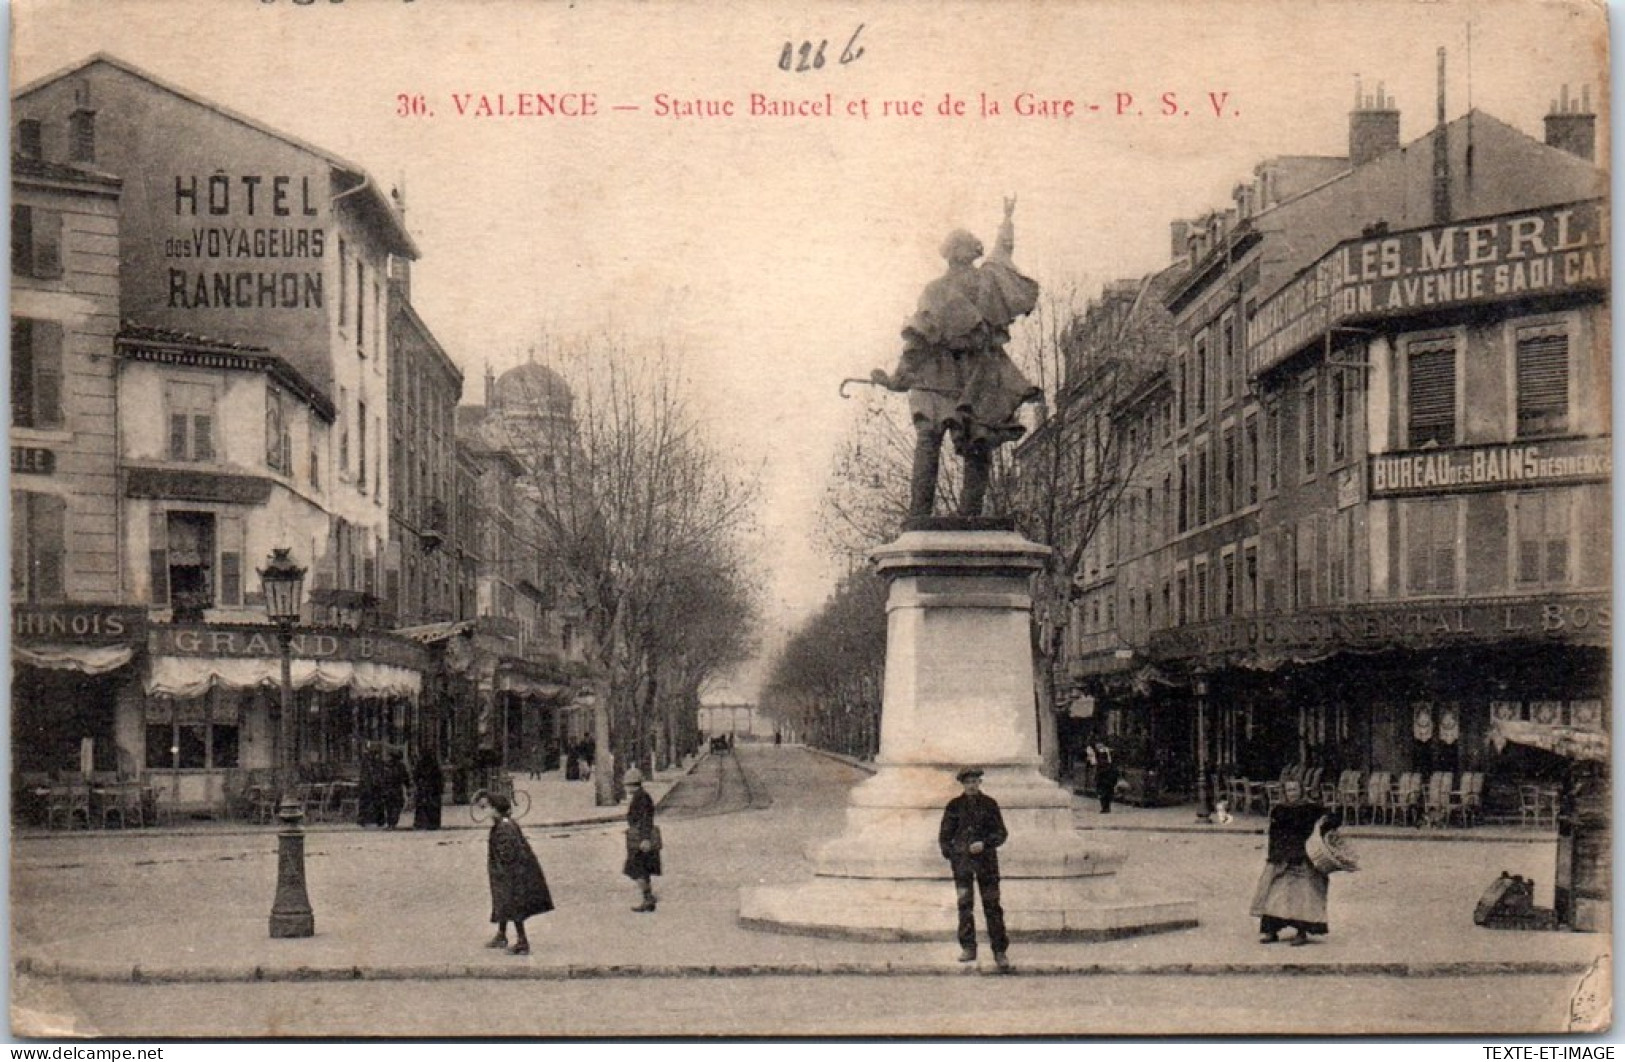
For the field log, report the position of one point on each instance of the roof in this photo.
(41, 169)
(1510, 171)
(147, 343)
(376, 202)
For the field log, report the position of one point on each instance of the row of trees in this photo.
(1061, 489)
(646, 527)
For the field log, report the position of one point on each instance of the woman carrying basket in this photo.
(1292, 890)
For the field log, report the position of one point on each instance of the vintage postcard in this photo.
(606, 519)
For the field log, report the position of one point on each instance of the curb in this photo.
(155, 975)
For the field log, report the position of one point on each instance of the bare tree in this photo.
(826, 682)
(630, 498)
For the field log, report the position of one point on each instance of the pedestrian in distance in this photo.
(972, 831)
(642, 840)
(393, 789)
(369, 791)
(1106, 777)
(1292, 892)
(518, 887)
(428, 782)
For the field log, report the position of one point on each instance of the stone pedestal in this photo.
(958, 692)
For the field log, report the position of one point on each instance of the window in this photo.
(360, 306)
(315, 459)
(1540, 522)
(1200, 383)
(1227, 585)
(232, 539)
(38, 546)
(278, 437)
(1430, 546)
(1200, 611)
(1431, 393)
(1340, 558)
(344, 432)
(1250, 433)
(1249, 575)
(82, 136)
(1227, 359)
(1308, 423)
(1342, 426)
(1182, 589)
(190, 408)
(182, 556)
(36, 373)
(378, 476)
(1543, 381)
(344, 284)
(1184, 494)
(1182, 385)
(361, 446)
(1203, 471)
(1230, 459)
(193, 734)
(1303, 568)
(1272, 439)
(30, 138)
(36, 242)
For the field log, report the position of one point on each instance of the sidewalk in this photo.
(407, 905)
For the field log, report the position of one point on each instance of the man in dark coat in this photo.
(1105, 777)
(642, 849)
(428, 784)
(972, 831)
(392, 790)
(518, 887)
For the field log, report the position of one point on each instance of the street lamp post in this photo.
(1204, 794)
(291, 916)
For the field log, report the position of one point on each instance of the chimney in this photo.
(490, 387)
(1441, 158)
(1571, 126)
(1373, 126)
(400, 268)
(1179, 233)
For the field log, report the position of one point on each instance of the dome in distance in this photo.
(532, 385)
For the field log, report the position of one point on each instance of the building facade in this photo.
(1383, 429)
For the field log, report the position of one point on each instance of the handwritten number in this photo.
(787, 56)
(848, 55)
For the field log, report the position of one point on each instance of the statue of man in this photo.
(960, 381)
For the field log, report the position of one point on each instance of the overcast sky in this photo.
(782, 254)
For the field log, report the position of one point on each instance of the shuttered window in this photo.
(1431, 393)
(39, 529)
(191, 421)
(1309, 420)
(1430, 546)
(36, 242)
(1541, 522)
(36, 373)
(1543, 382)
(158, 555)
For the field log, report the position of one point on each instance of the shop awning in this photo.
(430, 633)
(192, 676)
(1572, 742)
(86, 659)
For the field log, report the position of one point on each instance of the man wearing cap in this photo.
(972, 831)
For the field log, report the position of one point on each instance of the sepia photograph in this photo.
(1077, 519)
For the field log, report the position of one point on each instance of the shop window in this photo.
(191, 418)
(1540, 522)
(38, 546)
(1543, 382)
(36, 242)
(1431, 546)
(192, 746)
(36, 373)
(1430, 389)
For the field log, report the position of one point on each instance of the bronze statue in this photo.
(960, 380)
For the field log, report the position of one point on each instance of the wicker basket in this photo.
(1328, 852)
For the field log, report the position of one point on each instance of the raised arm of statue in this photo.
(1005, 246)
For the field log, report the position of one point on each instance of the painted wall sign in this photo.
(245, 241)
(1586, 619)
(1493, 467)
(33, 460)
(107, 624)
(1539, 252)
(307, 645)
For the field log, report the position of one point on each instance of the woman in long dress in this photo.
(1291, 892)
